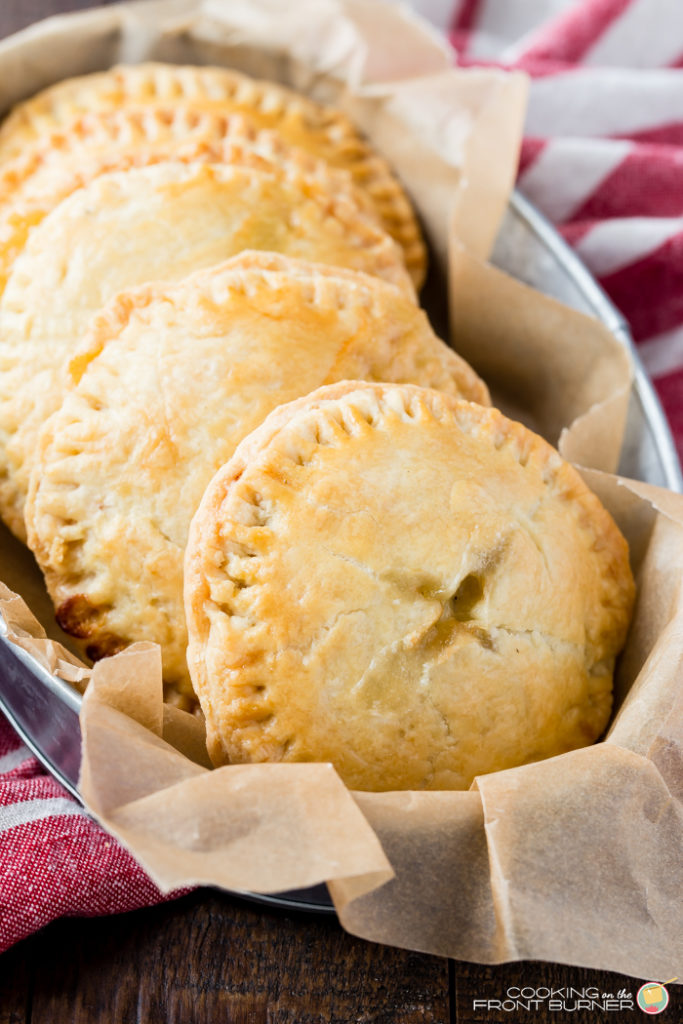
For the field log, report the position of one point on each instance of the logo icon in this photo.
(653, 997)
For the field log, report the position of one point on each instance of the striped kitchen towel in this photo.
(54, 860)
(603, 152)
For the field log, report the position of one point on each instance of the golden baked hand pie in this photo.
(174, 376)
(409, 586)
(32, 186)
(160, 222)
(322, 131)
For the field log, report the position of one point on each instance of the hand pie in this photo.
(32, 186)
(172, 378)
(322, 131)
(411, 587)
(160, 222)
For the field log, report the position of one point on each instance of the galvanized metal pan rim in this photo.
(607, 312)
(55, 684)
(62, 691)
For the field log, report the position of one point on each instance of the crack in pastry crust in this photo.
(322, 131)
(389, 613)
(122, 465)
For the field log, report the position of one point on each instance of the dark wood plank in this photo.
(16, 975)
(208, 958)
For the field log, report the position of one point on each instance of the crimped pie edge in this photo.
(110, 321)
(154, 82)
(213, 530)
(218, 139)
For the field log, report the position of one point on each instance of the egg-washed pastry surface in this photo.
(322, 131)
(172, 378)
(32, 186)
(126, 229)
(411, 587)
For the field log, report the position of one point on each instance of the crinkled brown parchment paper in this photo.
(576, 859)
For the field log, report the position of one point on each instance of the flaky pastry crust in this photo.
(322, 131)
(172, 377)
(159, 222)
(117, 140)
(409, 586)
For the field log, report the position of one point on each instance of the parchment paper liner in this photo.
(516, 867)
(575, 859)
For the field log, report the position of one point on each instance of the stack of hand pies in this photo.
(226, 426)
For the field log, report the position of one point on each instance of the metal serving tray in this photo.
(44, 709)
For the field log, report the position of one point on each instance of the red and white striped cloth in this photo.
(54, 860)
(603, 159)
(603, 152)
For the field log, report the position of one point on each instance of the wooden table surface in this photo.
(211, 957)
